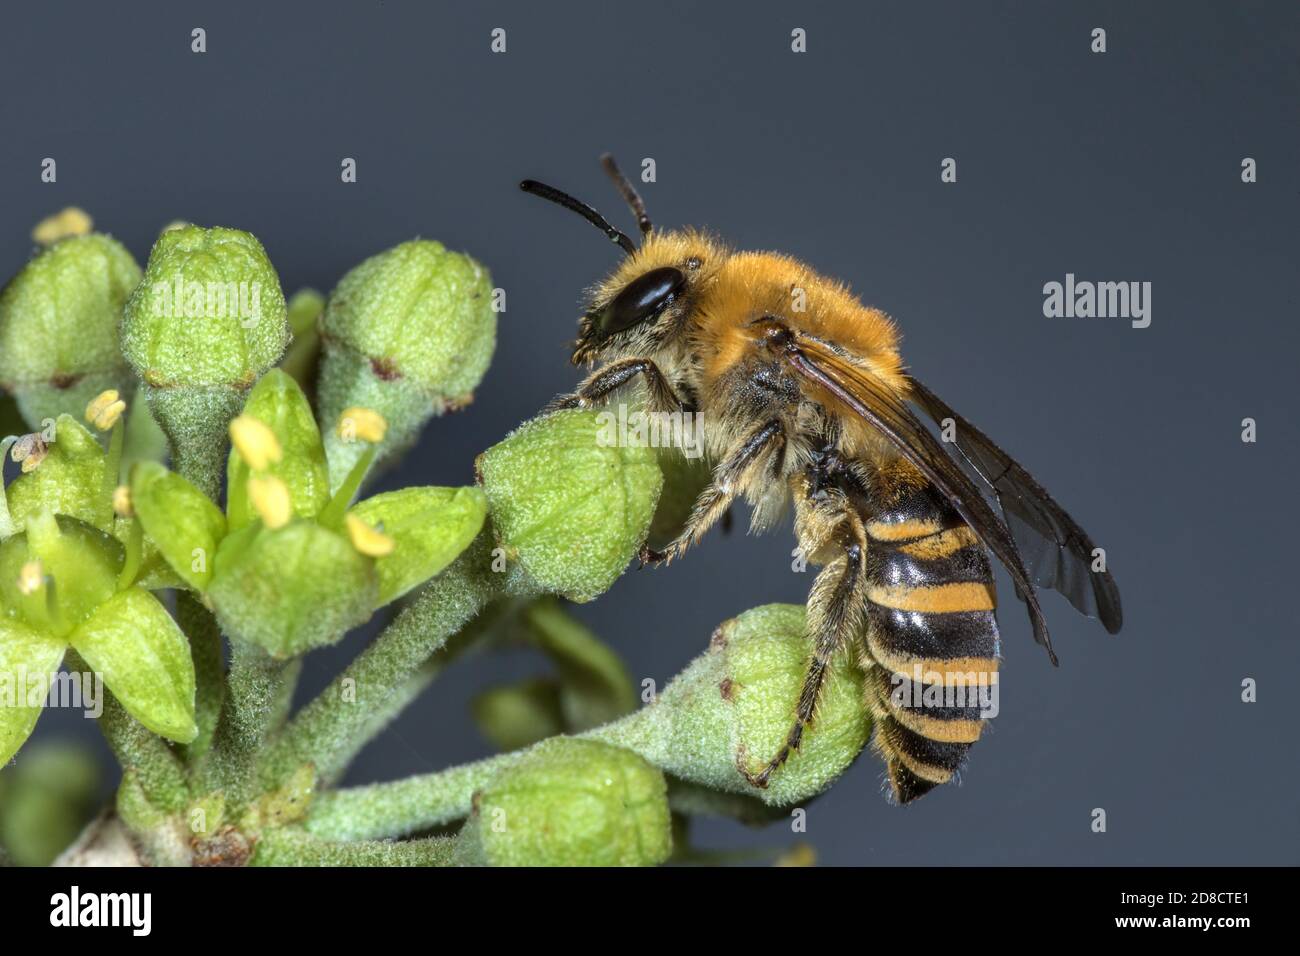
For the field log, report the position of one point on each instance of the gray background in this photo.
(1123, 166)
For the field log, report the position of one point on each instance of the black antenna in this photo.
(582, 209)
(628, 191)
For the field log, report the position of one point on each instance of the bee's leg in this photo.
(730, 478)
(835, 608)
(603, 383)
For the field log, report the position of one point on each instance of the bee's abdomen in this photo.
(931, 654)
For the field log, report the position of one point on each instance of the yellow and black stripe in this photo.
(931, 639)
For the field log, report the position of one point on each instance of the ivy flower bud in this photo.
(734, 706)
(64, 224)
(409, 334)
(202, 326)
(571, 803)
(571, 509)
(105, 409)
(269, 497)
(255, 442)
(59, 321)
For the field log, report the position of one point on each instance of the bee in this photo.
(804, 399)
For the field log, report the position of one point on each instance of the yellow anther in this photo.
(255, 442)
(269, 497)
(31, 577)
(122, 502)
(105, 409)
(364, 424)
(367, 540)
(62, 225)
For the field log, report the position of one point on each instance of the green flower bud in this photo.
(408, 333)
(570, 509)
(59, 321)
(204, 324)
(519, 714)
(735, 705)
(292, 588)
(571, 803)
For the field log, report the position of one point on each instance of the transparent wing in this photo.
(1057, 552)
(840, 383)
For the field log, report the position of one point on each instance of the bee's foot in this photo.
(649, 557)
(564, 402)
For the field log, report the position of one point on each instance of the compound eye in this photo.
(645, 297)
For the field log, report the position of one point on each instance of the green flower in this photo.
(62, 585)
(408, 333)
(289, 566)
(571, 803)
(59, 321)
(567, 507)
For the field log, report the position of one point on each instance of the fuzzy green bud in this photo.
(408, 333)
(734, 706)
(570, 508)
(204, 324)
(59, 321)
(571, 803)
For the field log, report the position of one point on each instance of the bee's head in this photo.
(642, 306)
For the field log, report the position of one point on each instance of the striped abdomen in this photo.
(931, 654)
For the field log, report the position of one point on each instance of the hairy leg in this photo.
(603, 383)
(835, 608)
(730, 478)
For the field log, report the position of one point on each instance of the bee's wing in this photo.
(852, 388)
(1058, 552)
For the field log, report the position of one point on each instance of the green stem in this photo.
(294, 848)
(325, 731)
(401, 807)
(479, 629)
(161, 776)
(196, 420)
(209, 670)
(255, 691)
